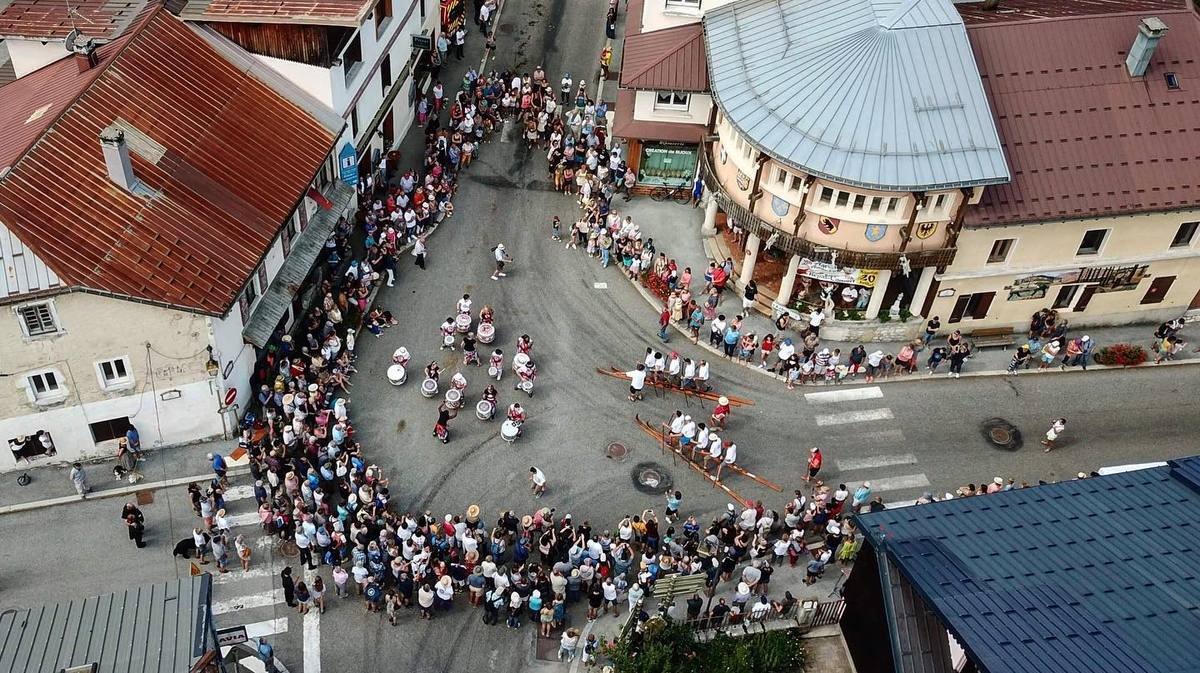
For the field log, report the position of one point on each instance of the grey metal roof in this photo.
(1098, 575)
(882, 94)
(161, 628)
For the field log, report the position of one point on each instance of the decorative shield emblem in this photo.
(827, 225)
(724, 156)
(926, 229)
(779, 206)
(743, 181)
(875, 232)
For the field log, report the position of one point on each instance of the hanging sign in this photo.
(348, 164)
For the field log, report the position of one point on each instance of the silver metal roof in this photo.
(881, 94)
(162, 628)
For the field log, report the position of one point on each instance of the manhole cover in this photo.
(289, 549)
(651, 478)
(145, 497)
(617, 451)
(1001, 434)
(505, 28)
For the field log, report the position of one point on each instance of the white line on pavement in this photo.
(845, 395)
(599, 286)
(854, 417)
(247, 519)
(238, 575)
(239, 493)
(898, 483)
(267, 628)
(258, 600)
(312, 641)
(870, 462)
(112, 492)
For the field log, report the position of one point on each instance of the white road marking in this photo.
(899, 503)
(899, 483)
(113, 492)
(845, 395)
(239, 493)
(267, 628)
(312, 641)
(599, 286)
(259, 600)
(238, 575)
(854, 417)
(870, 462)
(247, 519)
(504, 131)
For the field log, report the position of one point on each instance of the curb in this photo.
(113, 492)
(655, 304)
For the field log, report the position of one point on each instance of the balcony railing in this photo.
(796, 245)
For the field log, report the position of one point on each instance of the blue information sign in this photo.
(348, 164)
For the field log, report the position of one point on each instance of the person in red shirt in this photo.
(814, 463)
(720, 413)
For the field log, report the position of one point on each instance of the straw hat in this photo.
(473, 512)
(998, 481)
(289, 400)
(722, 400)
(445, 581)
(526, 521)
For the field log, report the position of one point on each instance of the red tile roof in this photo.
(1082, 137)
(322, 12)
(671, 59)
(625, 126)
(231, 158)
(1024, 10)
(49, 19)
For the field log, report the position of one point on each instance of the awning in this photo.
(305, 249)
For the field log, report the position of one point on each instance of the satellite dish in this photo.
(71, 39)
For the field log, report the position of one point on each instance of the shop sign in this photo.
(948, 292)
(830, 273)
(348, 164)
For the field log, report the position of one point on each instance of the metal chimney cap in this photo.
(112, 134)
(1153, 26)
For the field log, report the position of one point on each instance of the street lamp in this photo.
(212, 366)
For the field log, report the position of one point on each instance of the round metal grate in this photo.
(617, 451)
(1001, 434)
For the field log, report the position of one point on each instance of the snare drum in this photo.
(397, 375)
(526, 387)
(509, 431)
(494, 372)
(429, 388)
(519, 361)
(448, 341)
(453, 398)
(463, 323)
(486, 333)
(484, 410)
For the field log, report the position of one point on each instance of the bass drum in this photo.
(483, 410)
(509, 431)
(486, 333)
(519, 361)
(463, 323)
(396, 375)
(453, 398)
(429, 388)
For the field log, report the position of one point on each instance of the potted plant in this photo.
(1120, 355)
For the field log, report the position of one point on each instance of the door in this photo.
(960, 308)
(927, 306)
(983, 302)
(1158, 290)
(1081, 304)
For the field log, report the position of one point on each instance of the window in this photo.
(262, 277)
(1000, 250)
(289, 232)
(385, 74)
(251, 292)
(892, 204)
(114, 373)
(842, 199)
(972, 306)
(1158, 290)
(1184, 235)
(113, 428)
(826, 195)
(38, 319)
(46, 386)
(781, 176)
(354, 121)
(939, 203)
(352, 58)
(797, 183)
(859, 201)
(1092, 241)
(1172, 80)
(383, 12)
(671, 100)
(1066, 295)
(691, 4)
(875, 201)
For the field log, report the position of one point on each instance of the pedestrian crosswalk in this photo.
(254, 598)
(862, 446)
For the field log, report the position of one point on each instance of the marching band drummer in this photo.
(720, 414)
(432, 370)
(497, 362)
(486, 314)
(516, 413)
(448, 329)
(489, 395)
(464, 304)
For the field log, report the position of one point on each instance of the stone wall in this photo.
(867, 331)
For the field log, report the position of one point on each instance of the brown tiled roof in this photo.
(625, 126)
(228, 158)
(49, 19)
(348, 13)
(1025, 10)
(671, 59)
(1082, 137)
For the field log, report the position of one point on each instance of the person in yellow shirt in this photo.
(606, 55)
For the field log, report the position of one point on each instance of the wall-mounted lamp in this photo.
(212, 367)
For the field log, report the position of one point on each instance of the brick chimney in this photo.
(85, 55)
(1150, 31)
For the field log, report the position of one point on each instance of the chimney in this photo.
(116, 157)
(1150, 31)
(85, 55)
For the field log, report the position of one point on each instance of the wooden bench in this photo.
(992, 336)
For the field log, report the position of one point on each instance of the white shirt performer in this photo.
(502, 258)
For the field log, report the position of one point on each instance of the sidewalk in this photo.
(675, 229)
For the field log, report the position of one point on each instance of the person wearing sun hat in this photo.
(720, 413)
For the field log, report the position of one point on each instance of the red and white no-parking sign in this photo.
(230, 396)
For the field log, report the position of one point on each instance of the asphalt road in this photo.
(907, 438)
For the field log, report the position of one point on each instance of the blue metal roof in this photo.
(1099, 575)
(882, 94)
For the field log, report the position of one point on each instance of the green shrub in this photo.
(674, 649)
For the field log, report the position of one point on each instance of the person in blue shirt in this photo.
(267, 654)
(135, 442)
(219, 467)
